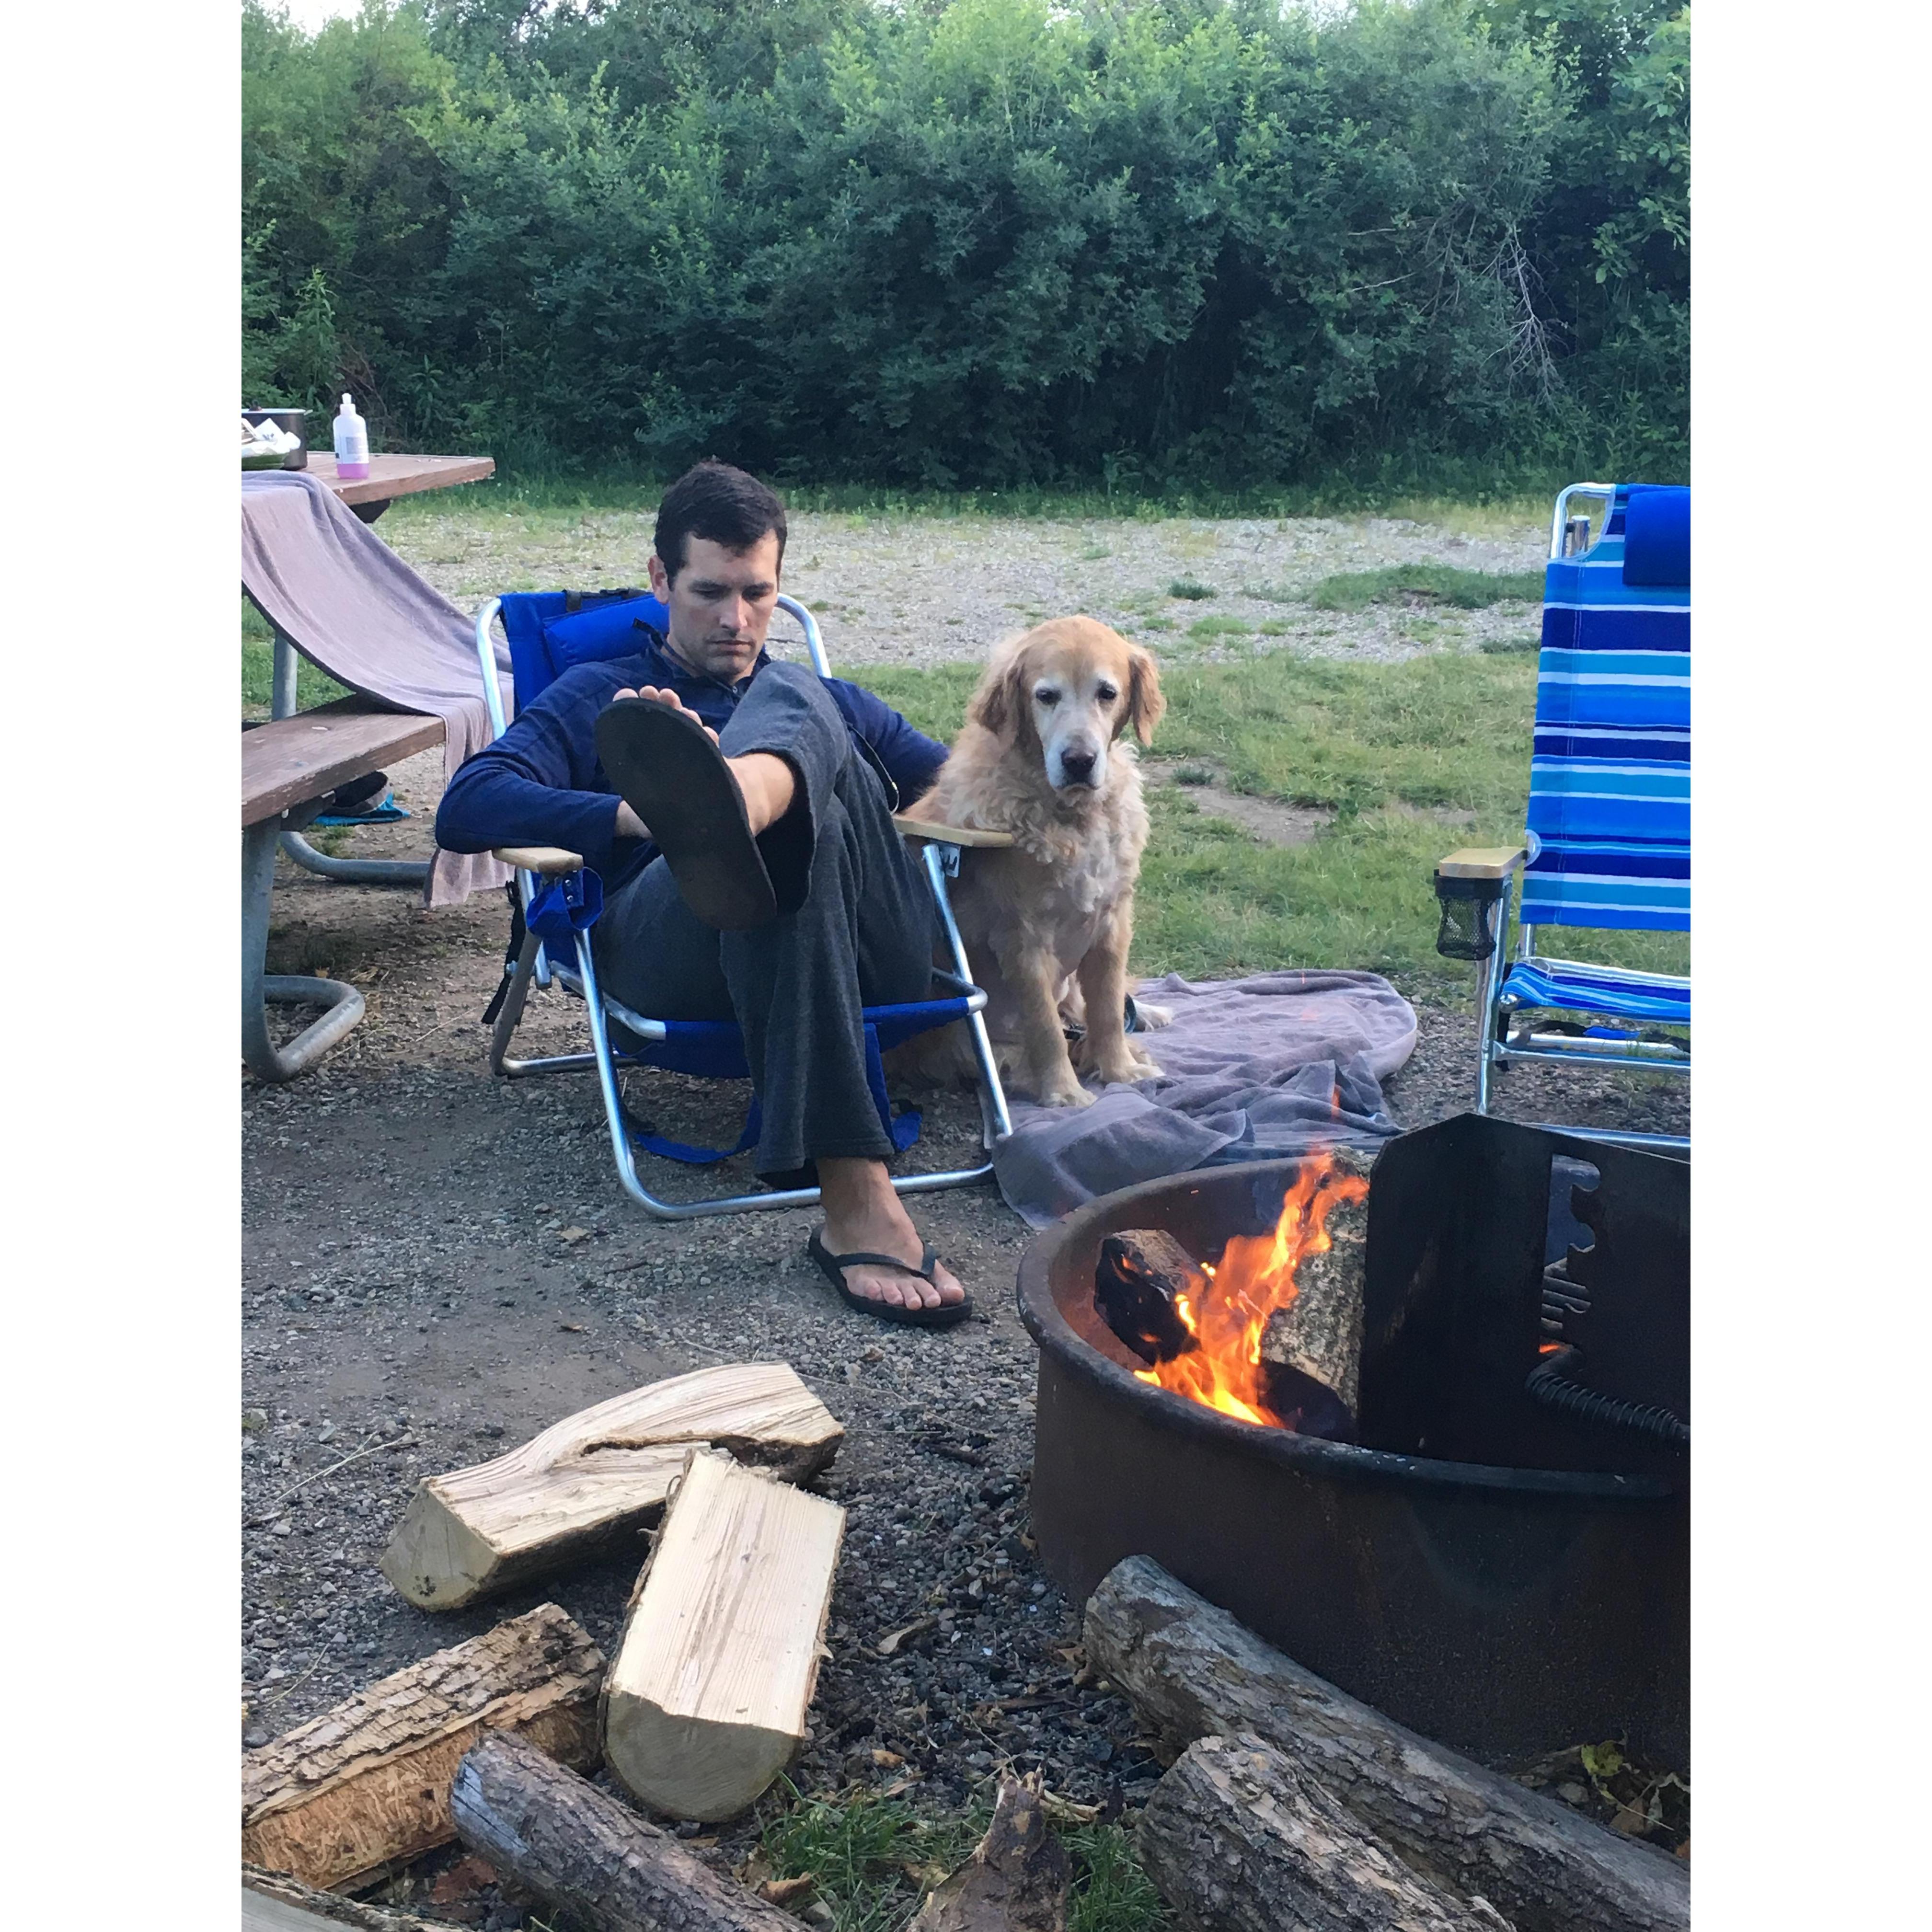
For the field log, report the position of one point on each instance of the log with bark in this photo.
(596, 1477)
(707, 1697)
(273, 1902)
(1236, 1838)
(1140, 1273)
(1318, 1336)
(579, 1848)
(1018, 1878)
(367, 1784)
(1191, 1671)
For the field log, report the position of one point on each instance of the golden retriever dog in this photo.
(1046, 755)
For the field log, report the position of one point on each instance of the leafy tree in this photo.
(979, 242)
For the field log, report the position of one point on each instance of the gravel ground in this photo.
(437, 1265)
(927, 590)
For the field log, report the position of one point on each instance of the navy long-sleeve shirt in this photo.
(541, 784)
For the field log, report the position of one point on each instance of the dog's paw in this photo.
(1064, 1090)
(1151, 1017)
(1127, 1068)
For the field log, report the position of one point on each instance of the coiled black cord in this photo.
(1547, 1384)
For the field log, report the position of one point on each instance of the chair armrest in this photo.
(1481, 862)
(539, 858)
(950, 835)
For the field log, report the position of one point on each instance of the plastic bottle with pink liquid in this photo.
(351, 443)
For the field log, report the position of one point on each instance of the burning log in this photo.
(593, 1478)
(1191, 1670)
(579, 1848)
(1237, 1838)
(1272, 1332)
(367, 1784)
(1142, 1272)
(707, 1700)
(1016, 1881)
(1318, 1335)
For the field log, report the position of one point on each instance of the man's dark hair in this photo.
(723, 505)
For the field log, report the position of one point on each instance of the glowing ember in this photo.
(1227, 1309)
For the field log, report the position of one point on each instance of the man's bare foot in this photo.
(862, 1212)
(767, 783)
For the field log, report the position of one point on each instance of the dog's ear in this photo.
(1000, 704)
(1147, 703)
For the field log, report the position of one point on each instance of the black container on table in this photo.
(291, 420)
(1488, 1571)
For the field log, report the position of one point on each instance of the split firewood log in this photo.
(1017, 1879)
(580, 1850)
(594, 1478)
(367, 1785)
(707, 1700)
(1191, 1671)
(1318, 1336)
(1237, 1839)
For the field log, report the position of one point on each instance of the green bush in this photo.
(980, 244)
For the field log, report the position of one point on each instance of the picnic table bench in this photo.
(288, 769)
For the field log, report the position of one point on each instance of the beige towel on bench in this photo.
(349, 603)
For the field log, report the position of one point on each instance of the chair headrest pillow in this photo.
(1657, 537)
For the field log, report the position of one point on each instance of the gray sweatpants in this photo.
(855, 927)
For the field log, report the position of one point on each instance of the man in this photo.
(738, 810)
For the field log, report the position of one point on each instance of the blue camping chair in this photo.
(1609, 837)
(560, 898)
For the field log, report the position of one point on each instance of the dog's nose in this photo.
(1077, 767)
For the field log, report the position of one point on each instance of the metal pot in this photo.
(291, 420)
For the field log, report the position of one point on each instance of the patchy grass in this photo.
(1435, 582)
(1192, 591)
(1219, 627)
(874, 1858)
(1413, 759)
(258, 670)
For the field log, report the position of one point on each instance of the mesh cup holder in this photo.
(1470, 916)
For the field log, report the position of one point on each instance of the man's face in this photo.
(720, 604)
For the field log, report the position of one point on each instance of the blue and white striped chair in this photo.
(1608, 844)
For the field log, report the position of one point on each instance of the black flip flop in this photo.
(945, 1315)
(673, 777)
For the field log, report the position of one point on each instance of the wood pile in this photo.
(589, 1481)
(1292, 1804)
(706, 1704)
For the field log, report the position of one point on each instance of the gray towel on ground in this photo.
(349, 603)
(1252, 1069)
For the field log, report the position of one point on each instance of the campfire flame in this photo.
(1227, 1311)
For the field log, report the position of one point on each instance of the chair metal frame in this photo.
(1496, 1045)
(579, 976)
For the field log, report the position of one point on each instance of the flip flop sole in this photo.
(675, 779)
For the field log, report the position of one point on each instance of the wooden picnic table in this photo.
(393, 475)
(288, 767)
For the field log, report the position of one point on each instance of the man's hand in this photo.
(669, 698)
(629, 824)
